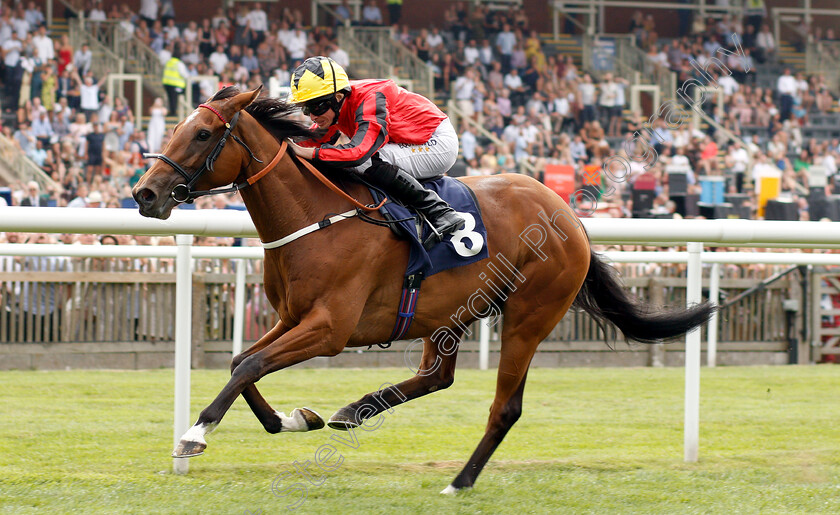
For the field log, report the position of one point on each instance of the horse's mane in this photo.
(272, 113)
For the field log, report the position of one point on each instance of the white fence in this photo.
(693, 233)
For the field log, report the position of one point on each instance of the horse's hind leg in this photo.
(524, 329)
(505, 411)
(436, 372)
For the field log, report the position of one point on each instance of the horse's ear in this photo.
(243, 100)
(255, 93)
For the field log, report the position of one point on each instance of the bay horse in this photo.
(339, 287)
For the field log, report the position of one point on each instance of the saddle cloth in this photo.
(465, 246)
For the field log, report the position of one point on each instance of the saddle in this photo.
(465, 246)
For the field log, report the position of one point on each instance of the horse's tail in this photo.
(603, 297)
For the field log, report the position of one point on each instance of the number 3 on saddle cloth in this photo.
(465, 246)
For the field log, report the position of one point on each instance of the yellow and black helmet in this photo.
(317, 77)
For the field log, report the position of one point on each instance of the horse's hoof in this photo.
(449, 490)
(312, 419)
(188, 449)
(342, 422)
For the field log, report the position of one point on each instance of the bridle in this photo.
(184, 193)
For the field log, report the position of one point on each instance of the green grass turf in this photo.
(589, 441)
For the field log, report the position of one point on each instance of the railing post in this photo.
(380, 44)
(587, 51)
(115, 36)
(815, 316)
(805, 272)
(484, 344)
(199, 319)
(138, 99)
(714, 299)
(601, 16)
(693, 296)
(656, 294)
(183, 342)
(239, 308)
(74, 32)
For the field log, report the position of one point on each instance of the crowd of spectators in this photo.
(55, 110)
(539, 106)
(544, 110)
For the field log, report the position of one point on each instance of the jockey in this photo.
(396, 137)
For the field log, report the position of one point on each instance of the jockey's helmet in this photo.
(317, 77)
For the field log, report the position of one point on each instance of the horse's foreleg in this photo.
(436, 372)
(315, 336)
(301, 419)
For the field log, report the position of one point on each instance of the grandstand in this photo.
(544, 88)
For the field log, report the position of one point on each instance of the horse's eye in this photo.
(203, 135)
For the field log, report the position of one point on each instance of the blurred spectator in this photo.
(469, 142)
(463, 91)
(89, 93)
(394, 11)
(766, 44)
(149, 10)
(371, 15)
(339, 55)
(157, 125)
(787, 87)
(505, 43)
(343, 12)
(33, 197)
(296, 44)
(586, 90)
(257, 25)
(94, 199)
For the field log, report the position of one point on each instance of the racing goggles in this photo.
(317, 107)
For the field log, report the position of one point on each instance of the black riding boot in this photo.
(408, 191)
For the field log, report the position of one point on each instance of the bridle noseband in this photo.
(183, 192)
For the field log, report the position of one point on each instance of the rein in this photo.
(331, 185)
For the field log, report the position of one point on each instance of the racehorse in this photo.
(338, 287)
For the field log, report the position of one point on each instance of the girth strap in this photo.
(310, 228)
(405, 312)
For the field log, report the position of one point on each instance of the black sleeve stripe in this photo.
(363, 125)
(382, 112)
